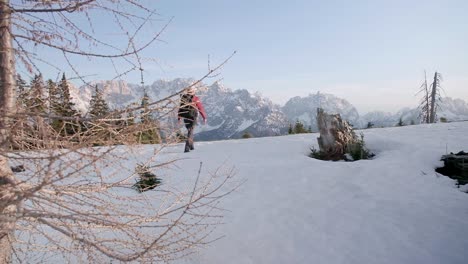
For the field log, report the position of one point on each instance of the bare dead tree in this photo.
(424, 105)
(431, 98)
(435, 96)
(73, 201)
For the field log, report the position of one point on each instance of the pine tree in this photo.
(66, 104)
(60, 105)
(21, 130)
(35, 102)
(97, 105)
(247, 135)
(145, 113)
(400, 122)
(290, 129)
(22, 90)
(98, 108)
(149, 133)
(54, 97)
(299, 128)
(147, 181)
(54, 104)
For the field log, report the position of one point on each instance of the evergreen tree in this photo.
(149, 132)
(145, 113)
(290, 129)
(400, 122)
(54, 97)
(147, 181)
(299, 128)
(35, 101)
(98, 108)
(22, 90)
(97, 105)
(247, 135)
(370, 124)
(62, 106)
(66, 105)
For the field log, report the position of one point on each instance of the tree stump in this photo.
(336, 135)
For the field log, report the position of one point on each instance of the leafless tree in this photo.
(424, 104)
(430, 99)
(73, 201)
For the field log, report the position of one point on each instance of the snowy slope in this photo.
(294, 209)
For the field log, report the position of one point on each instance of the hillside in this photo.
(294, 209)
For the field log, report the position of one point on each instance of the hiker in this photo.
(190, 105)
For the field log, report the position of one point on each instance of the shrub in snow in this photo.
(147, 181)
(355, 151)
(247, 135)
(358, 150)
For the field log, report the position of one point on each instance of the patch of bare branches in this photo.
(431, 99)
(74, 202)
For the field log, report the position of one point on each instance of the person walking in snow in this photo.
(190, 106)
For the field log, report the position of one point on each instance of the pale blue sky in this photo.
(372, 53)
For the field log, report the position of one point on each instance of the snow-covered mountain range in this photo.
(231, 113)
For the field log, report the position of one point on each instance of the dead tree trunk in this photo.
(426, 107)
(7, 89)
(336, 135)
(435, 85)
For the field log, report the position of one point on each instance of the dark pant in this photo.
(190, 125)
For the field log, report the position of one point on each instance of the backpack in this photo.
(187, 109)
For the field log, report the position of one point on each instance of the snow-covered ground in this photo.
(294, 209)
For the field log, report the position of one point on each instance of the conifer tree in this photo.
(145, 113)
(400, 122)
(247, 135)
(97, 105)
(22, 91)
(35, 102)
(54, 97)
(150, 132)
(64, 107)
(290, 129)
(21, 128)
(299, 128)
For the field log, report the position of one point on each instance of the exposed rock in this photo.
(336, 135)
